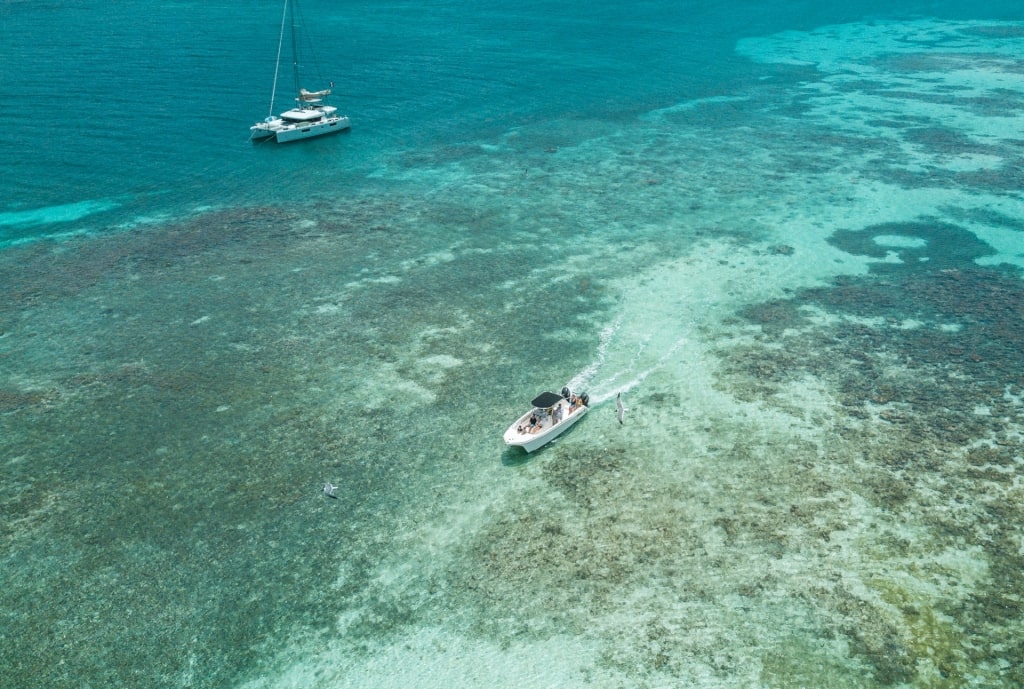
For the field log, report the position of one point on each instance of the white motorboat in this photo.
(311, 116)
(550, 415)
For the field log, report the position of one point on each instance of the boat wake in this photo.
(622, 363)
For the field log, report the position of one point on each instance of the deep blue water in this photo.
(139, 109)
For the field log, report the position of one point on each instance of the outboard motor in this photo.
(565, 392)
(585, 398)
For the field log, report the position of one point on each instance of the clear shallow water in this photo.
(791, 238)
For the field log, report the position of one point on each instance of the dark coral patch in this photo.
(972, 329)
(995, 31)
(944, 141)
(929, 246)
(985, 216)
(925, 369)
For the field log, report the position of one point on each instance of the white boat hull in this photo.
(263, 130)
(303, 130)
(519, 435)
(284, 131)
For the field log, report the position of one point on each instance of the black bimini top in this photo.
(546, 399)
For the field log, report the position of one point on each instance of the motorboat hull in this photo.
(519, 435)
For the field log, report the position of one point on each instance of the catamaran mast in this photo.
(295, 53)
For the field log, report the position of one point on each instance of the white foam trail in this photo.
(605, 394)
(581, 379)
(606, 388)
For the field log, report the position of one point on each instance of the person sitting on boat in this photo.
(534, 424)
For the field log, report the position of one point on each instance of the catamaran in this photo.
(312, 116)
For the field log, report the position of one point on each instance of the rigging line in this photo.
(295, 52)
(277, 64)
(307, 44)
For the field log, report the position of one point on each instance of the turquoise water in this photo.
(791, 237)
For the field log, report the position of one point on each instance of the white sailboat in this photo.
(311, 116)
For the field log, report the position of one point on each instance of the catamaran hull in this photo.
(284, 132)
(532, 441)
(297, 132)
(261, 132)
